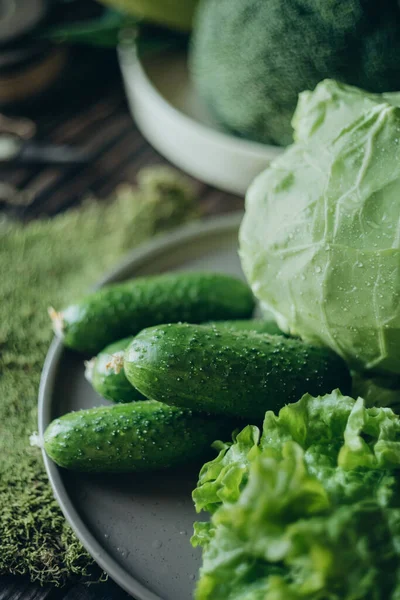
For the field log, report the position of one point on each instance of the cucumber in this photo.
(229, 373)
(107, 376)
(140, 436)
(106, 373)
(255, 325)
(124, 309)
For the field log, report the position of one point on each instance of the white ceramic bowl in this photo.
(172, 117)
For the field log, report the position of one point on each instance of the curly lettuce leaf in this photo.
(230, 573)
(333, 430)
(309, 509)
(279, 492)
(338, 435)
(282, 539)
(348, 555)
(222, 479)
(309, 421)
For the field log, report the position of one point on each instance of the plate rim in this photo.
(137, 257)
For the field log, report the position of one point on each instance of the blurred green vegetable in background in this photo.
(251, 58)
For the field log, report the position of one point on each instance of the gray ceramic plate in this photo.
(136, 527)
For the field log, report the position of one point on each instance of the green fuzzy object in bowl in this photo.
(251, 58)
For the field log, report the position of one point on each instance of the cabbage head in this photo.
(250, 59)
(320, 240)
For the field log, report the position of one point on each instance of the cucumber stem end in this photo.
(36, 440)
(57, 320)
(89, 368)
(116, 363)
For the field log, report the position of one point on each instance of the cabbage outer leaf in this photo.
(320, 239)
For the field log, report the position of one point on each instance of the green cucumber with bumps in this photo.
(251, 325)
(119, 310)
(139, 436)
(230, 373)
(106, 374)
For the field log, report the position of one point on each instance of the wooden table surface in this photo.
(95, 117)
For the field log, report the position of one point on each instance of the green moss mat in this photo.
(47, 263)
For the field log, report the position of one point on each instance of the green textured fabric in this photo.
(52, 262)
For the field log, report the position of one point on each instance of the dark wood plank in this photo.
(74, 184)
(74, 129)
(19, 588)
(105, 127)
(55, 185)
(107, 590)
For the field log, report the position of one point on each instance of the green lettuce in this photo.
(322, 224)
(309, 508)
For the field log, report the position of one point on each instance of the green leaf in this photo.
(308, 510)
(111, 29)
(224, 477)
(102, 31)
(321, 223)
